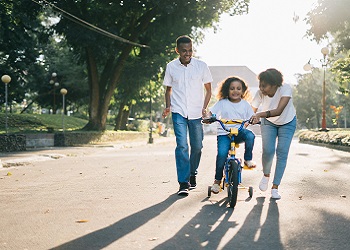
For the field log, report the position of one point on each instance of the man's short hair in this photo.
(183, 39)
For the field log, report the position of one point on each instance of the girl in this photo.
(278, 123)
(231, 105)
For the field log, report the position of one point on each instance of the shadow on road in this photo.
(204, 230)
(252, 235)
(207, 229)
(106, 236)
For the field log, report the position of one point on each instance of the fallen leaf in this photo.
(300, 197)
(9, 174)
(81, 221)
(325, 170)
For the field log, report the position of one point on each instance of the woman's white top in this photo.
(269, 103)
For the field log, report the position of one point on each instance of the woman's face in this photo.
(267, 89)
(235, 91)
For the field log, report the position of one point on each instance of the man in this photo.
(185, 80)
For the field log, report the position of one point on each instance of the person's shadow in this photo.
(253, 236)
(106, 236)
(204, 230)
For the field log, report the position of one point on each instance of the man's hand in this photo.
(166, 112)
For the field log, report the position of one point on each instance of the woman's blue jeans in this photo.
(284, 135)
(224, 144)
(187, 163)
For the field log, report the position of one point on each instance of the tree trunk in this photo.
(101, 90)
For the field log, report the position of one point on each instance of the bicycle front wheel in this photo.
(232, 189)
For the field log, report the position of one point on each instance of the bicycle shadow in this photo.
(204, 230)
(106, 236)
(207, 229)
(252, 235)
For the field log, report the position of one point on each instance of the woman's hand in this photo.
(254, 119)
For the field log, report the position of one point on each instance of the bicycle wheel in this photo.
(232, 188)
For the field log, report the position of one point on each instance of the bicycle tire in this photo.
(232, 188)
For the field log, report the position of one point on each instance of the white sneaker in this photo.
(215, 188)
(275, 194)
(264, 183)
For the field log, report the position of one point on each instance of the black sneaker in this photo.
(193, 183)
(183, 190)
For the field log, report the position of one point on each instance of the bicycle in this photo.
(233, 166)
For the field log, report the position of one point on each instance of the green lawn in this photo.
(31, 123)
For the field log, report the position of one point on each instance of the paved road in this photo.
(116, 197)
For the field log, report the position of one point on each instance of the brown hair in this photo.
(224, 87)
(271, 77)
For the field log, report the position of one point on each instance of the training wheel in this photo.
(250, 191)
(209, 191)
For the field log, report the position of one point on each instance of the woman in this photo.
(278, 122)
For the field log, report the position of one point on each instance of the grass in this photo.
(36, 123)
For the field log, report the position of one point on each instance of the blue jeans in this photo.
(224, 144)
(187, 163)
(269, 133)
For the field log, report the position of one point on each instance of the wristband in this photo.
(268, 114)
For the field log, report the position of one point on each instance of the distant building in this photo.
(220, 73)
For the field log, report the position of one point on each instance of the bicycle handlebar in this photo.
(222, 122)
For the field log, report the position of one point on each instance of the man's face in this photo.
(185, 52)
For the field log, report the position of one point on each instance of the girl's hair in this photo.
(224, 88)
(271, 77)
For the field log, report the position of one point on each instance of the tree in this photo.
(21, 32)
(150, 22)
(330, 17)
(308, 95)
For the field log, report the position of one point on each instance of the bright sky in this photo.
(267, 37)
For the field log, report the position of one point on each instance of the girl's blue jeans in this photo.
(187, 161)
(283, 134)
(224, 144)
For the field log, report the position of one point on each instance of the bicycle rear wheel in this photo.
(232, 189)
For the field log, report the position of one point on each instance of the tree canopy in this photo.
(153, 23)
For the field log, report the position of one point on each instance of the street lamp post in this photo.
(308, 67)
(55, 84)
(6, 79)
(325, 52)
(63, 92)
(150, 139)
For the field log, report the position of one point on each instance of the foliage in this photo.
(27, 123)
(341, 138)
(330, 17)
(20, 33)
(58, 58)
(150, 22)
(341, 70)
(308, 99)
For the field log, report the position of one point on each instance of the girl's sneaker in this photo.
(250, 164)
(216, 187)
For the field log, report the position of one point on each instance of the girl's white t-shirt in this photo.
(225, 109)
(270, 103)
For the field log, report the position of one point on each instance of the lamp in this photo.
(63, 92)
(325, 52)
(6, 79)
(55, 84)
(308, 67)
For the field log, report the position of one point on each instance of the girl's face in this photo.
(267, 89)
(235, 91)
